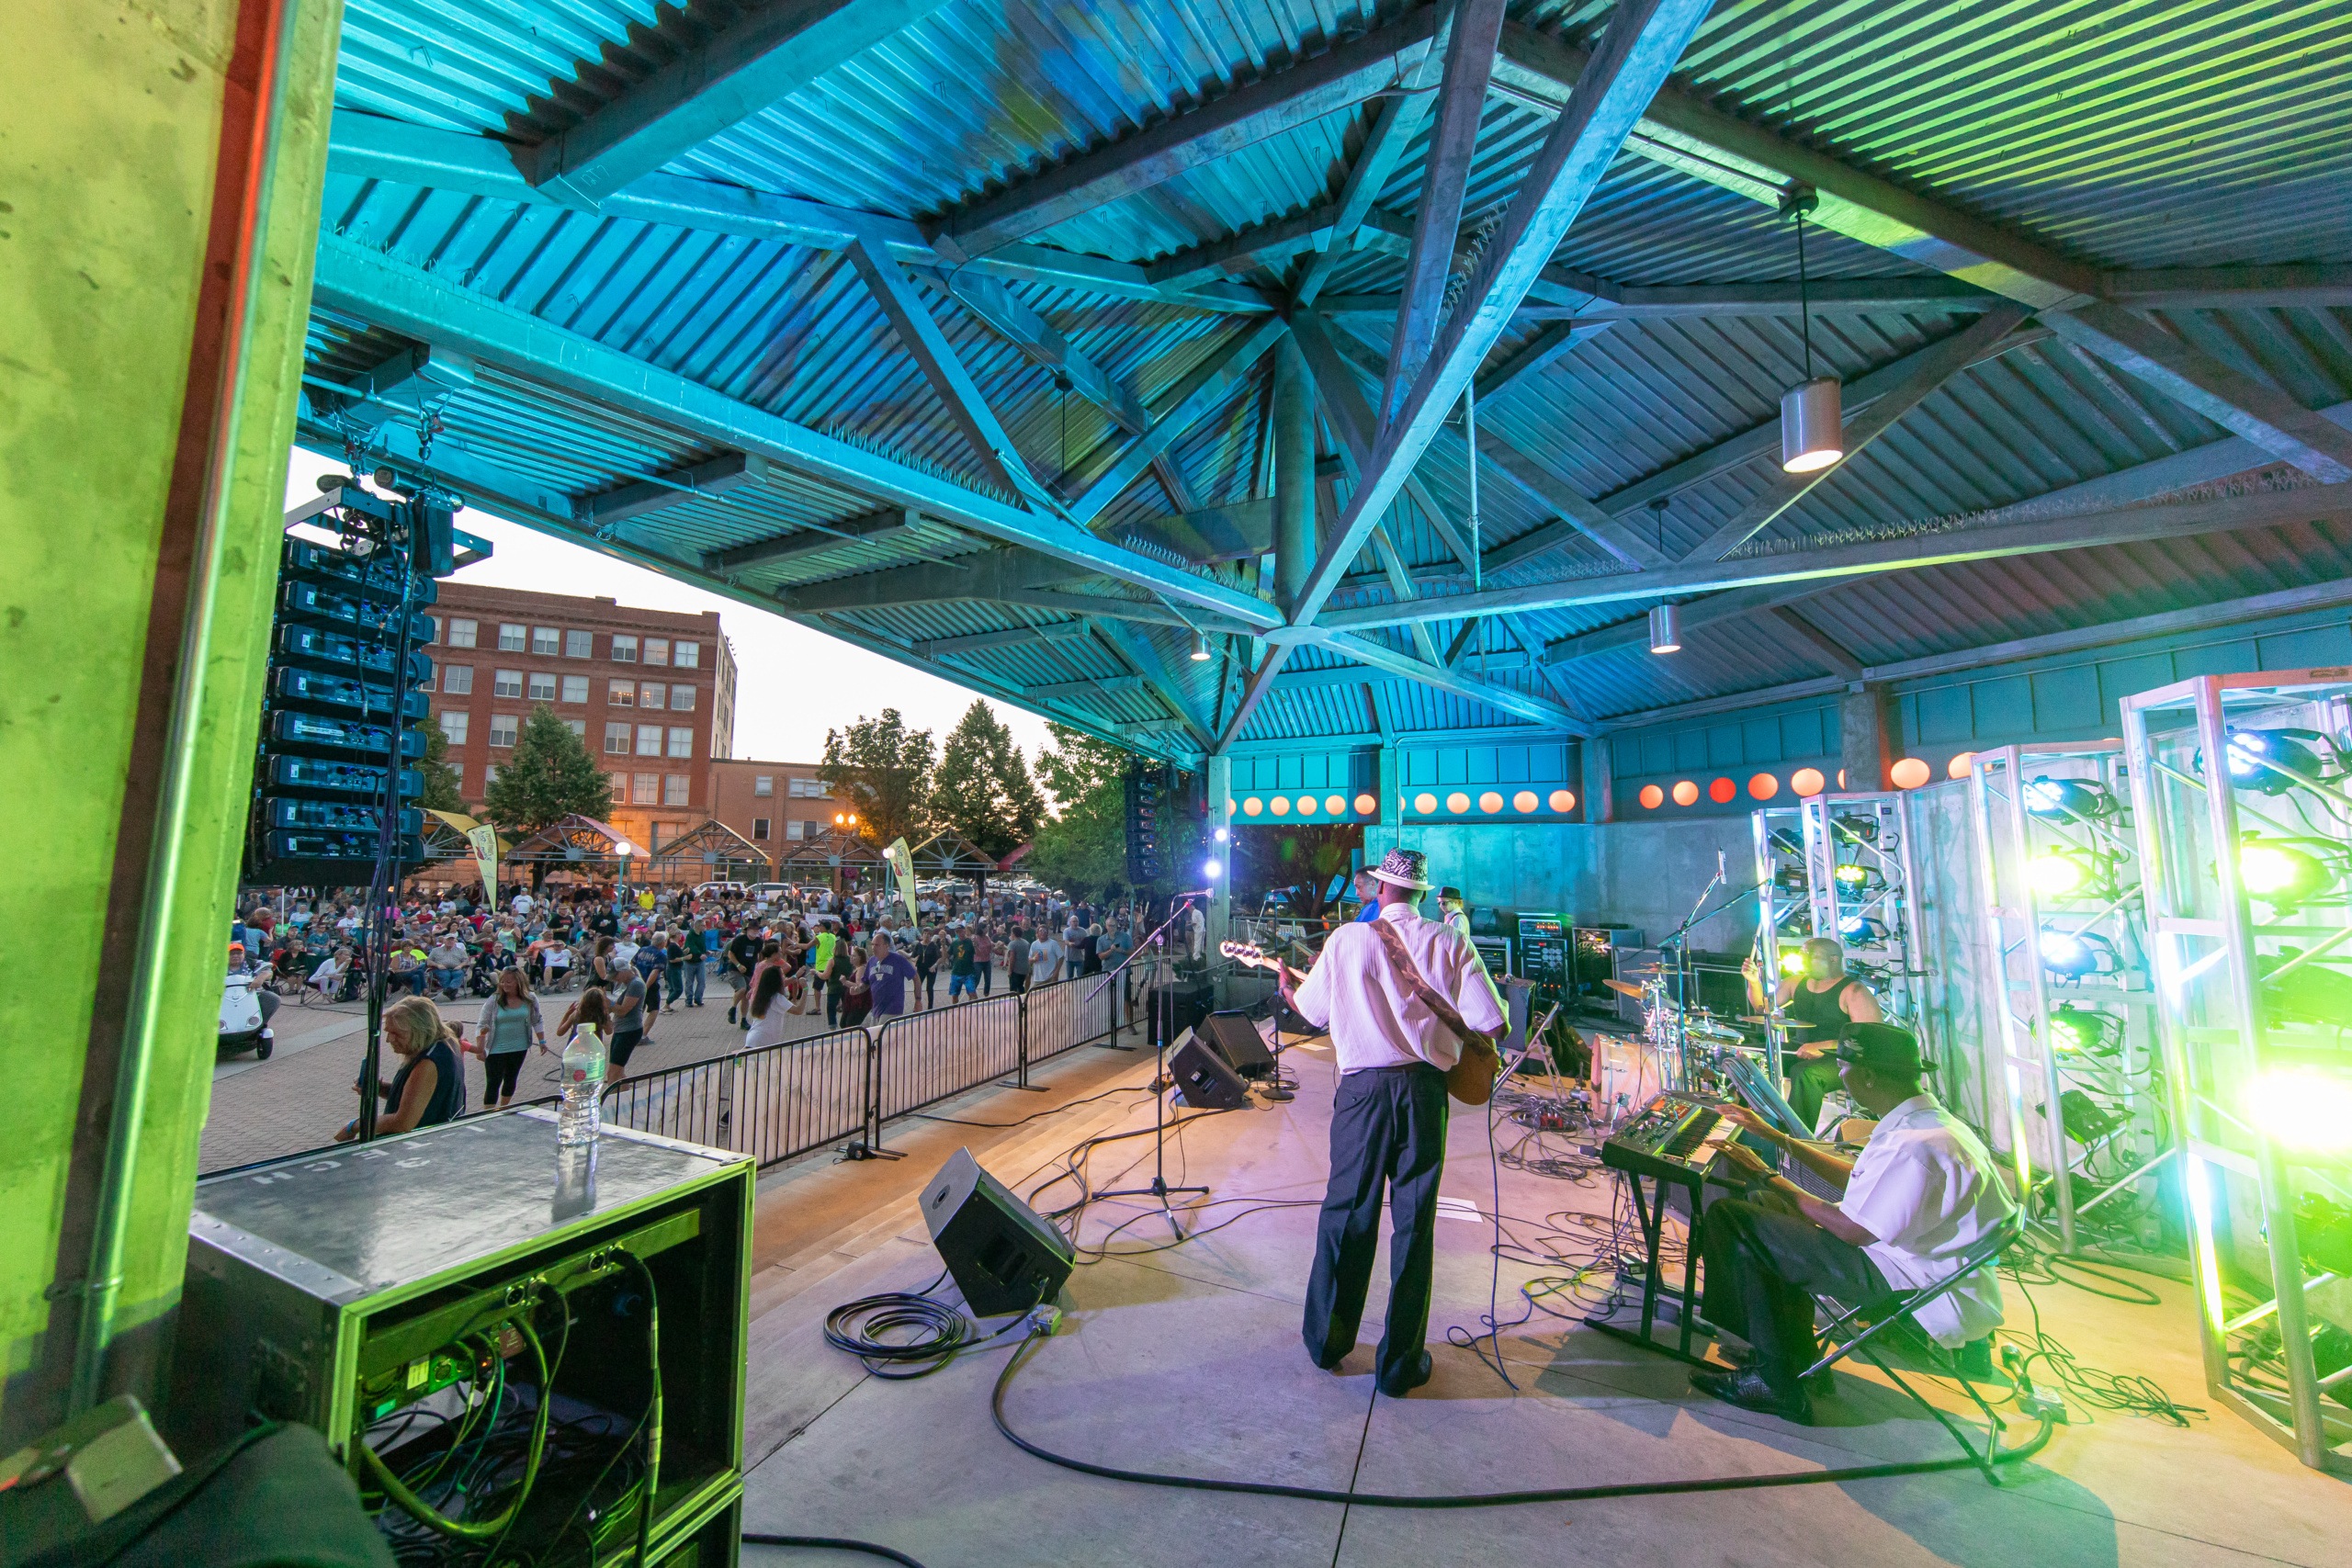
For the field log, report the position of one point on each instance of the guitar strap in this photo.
(1436, 1000)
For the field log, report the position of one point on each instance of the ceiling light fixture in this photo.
(1200, 648)
(1811, 424)
(1665, 629)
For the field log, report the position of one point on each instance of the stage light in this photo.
(2062, 799)
(1811, 431)
(1224, 835)
(2072, 1032)
(1856, 878)
(2267, 761)
(2073, 954)
(2302, 1107)
(1861, 931)
(1200, 648)
(2067, 874)
(2280, 876)
(1210, 869)
(1666, 630)
(1793, 962)
(1859, 830)
(1786, 842)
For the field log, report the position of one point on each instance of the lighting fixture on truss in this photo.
(2073, 954)
(2064, 800)
(2071, 874)
(2272, 761)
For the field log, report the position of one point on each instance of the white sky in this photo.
(793, 683)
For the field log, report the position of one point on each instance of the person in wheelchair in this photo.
(1922, 1193)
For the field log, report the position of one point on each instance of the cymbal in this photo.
(1787, 1024)
(1621, 989)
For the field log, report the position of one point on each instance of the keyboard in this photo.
(1673, 1139)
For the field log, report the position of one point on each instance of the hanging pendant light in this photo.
(1665, 629)
(1812, 434)
(1200, 648)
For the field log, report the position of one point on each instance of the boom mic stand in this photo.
(1162, 1024)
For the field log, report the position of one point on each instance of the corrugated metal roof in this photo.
(2133, 135)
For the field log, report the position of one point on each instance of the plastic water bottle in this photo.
(579, 1118)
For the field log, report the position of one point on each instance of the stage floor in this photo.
(1187, 1359)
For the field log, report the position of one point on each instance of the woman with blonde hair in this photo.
(504, 1034)
(428, 1090)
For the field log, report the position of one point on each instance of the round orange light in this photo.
(1366, 805)
(1807, 781)
(1491, 802)
(1306, 806)
(1426, 804)
(1909, 774)
(1252, 805)
(1524, 801)
(1564, 800)
(1686, 793)
(1722, 791)
(1457, 803)
(1961, 766)
(1230, 806)
(1841, 778)
(1763, 786)
(1337, 806)
(1651, 797)
(1279, 805)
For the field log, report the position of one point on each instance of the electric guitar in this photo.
(1471, 1079)
(1258, 958)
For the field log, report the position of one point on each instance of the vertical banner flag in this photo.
(484, 838)
(902, 862)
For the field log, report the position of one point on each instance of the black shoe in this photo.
(1403, 1383)
(731, 1015)
(1745, 1387)
(1821, 1385)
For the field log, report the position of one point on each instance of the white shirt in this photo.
(1045, 960)
(1929, 1190)
(768, 1028)
(1374, 1018)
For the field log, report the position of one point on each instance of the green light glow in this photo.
(2302, 1107)
(2058, 872)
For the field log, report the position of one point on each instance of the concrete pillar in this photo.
(1219, 785)
(1377, 841)
(164, 213)
(1600, 780)
(1294, 473)
(1866, 735)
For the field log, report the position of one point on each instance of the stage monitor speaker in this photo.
(1233, 1036)
(1002, 1257)
(1202, 1079)
(1171, 1010)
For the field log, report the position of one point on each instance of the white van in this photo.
(718, 890)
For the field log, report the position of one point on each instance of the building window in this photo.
(681, 741)
(511, 638)
(452, 725)
(797, 829)
(580, 645)
(542, 687)
(652, 694)
(578, 726)
(657, 650)
(809, 789)
(489, 777)
(686, 656)
(502, 728)
(506, 683)
(616, 738)
(649, 740)
(623, 650)
(463, 632)
(458, 679)
(682, 699)
(763, 785)
(621, 693)
(648, 791)
(759, 827)
(673, 788)
(575, 688)
(546, 641)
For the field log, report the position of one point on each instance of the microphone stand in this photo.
(1683, 977)
(1162, 1024)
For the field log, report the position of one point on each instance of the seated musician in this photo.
(1825, 1000)
(1921, 1193)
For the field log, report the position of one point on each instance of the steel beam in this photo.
(1147, 612)
(2235, 401)
(1011, 636)
(1253, 692)
(1135, 650)
(1275, 239)
(1637, 48)
(994, 306)
(772, 52)
(729, 471)
(407, 299)
(1561, 294)
(1113, 683)
(1113, 468)
(1346, 74)
(1213, 535)
(1398, 120)
(1930, 369)
(1837, 655)
(1579, 514)
(879, 527)
(1531, 358)
(1947, 546)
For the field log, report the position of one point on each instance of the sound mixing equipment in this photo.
(1673, 1144)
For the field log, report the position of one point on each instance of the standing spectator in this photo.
(837, 971)
(886, 976)
(962, 967)
(673, 954)
(652, 961)
(1016, 961)
(504, 1035)
(1046, 956)
(767, 1009)
(628, 1019)
(928, 953)
(1086, 957)
(697, 944)
(603, 969)
(983, 956)
(743, 953)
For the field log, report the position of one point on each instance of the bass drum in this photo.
(1626, 1073)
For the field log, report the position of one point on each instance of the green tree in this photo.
(441, 791)
(1083, 846)
(549, 775)
(881, 770)
(983, 789)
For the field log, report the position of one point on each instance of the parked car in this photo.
(769, 892)
(718, 889)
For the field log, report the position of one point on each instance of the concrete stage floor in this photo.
(1187, 1359)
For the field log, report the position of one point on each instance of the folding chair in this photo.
(1852, 1330)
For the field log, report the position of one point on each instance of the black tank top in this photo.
(1824, 1009)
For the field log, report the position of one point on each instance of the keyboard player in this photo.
(1922, 1192)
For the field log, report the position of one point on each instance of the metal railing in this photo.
(776, 1101)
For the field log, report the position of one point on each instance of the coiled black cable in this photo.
(902, 1335)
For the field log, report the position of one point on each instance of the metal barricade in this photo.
(772, 1103)
(925, 1058)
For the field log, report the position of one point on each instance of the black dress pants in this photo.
(1763, 1268)
(1388, 1136)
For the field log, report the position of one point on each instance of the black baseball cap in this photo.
(1884, 1047)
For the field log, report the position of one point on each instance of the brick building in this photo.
(652, 691)
(775, 805)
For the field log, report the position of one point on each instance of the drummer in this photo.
(1824, 1000)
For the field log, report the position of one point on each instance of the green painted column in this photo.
(1219, 785)
(160, 169)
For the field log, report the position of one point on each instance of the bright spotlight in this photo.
(2074, 1032)
(2281, 876)
(1793, 961)
(2073, 954)
(1224, 835)
(2268, 761)
(1210, 869)
(2065, 874)
(2303, 1107)
(2062, 799)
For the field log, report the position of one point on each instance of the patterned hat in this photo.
(1405, 868)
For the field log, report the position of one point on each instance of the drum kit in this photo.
(1688, 1048)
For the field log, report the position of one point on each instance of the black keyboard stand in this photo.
(1652, 1215)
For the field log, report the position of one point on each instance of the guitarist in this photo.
(1411, 1015)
